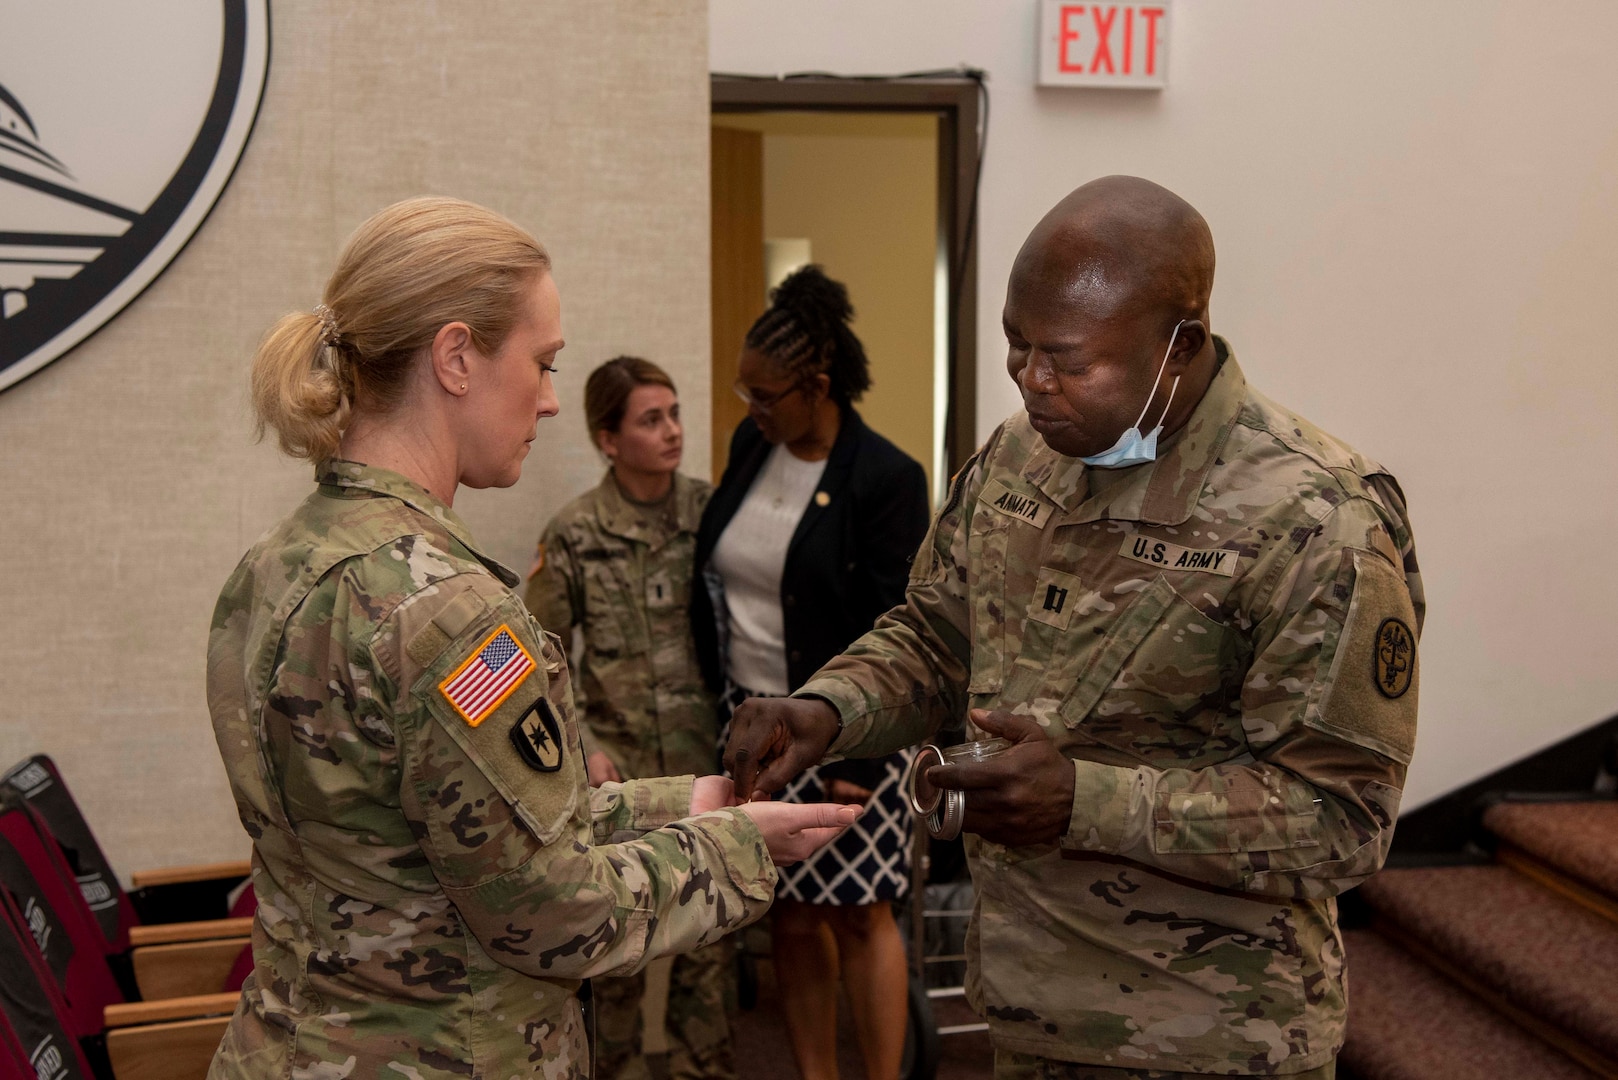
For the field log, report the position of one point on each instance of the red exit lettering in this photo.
(1100, 39)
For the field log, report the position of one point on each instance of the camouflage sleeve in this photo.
(1329, 709)
(623, 810)
(493, 784)
(555, 594)
(909, 674)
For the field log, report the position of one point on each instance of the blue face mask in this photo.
(1133, 448)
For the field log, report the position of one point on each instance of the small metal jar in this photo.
(944, 809)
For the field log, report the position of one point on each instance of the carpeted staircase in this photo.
(1505, 969)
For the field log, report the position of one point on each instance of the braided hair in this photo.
(806, 331)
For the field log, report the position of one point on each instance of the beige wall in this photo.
(129, 483)
(1414, 209)
(863, 190)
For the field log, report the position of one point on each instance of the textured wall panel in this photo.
(129, 482)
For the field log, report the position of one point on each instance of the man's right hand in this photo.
(772, 740)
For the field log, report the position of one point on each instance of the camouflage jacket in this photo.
(1223, 642)
(434, 876)
(622, 573)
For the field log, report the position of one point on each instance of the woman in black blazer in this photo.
(807, 540)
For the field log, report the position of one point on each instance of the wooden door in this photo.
(738, 270)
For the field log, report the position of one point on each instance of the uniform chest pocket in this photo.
(665, 594)
(986, 555)
(608, 611)
(1155, 683)
(666, 577)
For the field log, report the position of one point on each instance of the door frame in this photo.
(955, 101)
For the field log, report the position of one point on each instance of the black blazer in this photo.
(847, 562)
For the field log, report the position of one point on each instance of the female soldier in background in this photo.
(616, 562)
(433, 873)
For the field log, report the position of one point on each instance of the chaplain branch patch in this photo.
(487, 677)
(1395, 657)
(538, 737)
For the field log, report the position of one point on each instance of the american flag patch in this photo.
(488, 677)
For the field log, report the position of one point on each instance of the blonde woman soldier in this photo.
(434, 879)
(616, 562)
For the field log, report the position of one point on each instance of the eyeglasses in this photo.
(764, 402)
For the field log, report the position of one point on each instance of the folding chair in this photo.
(169, 895)
(170, 959)
(32, 1027)
(194, 959)
(39, 887)
(13, 1058)
(37, 782)
(156, 1040)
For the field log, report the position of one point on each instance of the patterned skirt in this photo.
(870, 861)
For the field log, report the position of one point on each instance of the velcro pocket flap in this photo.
(1123, 637)
(1368, 693)
(1218, 823)
(544, 800)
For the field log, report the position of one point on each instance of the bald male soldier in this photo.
(1195, 616)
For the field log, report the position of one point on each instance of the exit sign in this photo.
(1123, 45)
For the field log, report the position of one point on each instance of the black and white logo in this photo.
(120, 125)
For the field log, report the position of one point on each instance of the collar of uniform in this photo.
(354, 476)
(651, 526)
(1161, 492)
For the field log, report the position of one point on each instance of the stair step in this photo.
(1407, 1022)
(1576, 839)
(1541, 957)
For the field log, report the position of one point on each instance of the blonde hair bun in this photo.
(405, 273)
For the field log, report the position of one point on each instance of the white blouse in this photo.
(750, 558)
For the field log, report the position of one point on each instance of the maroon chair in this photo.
(197, 893)
(36, 881)
(33, 1026)
(37, 782)
(13, 1059)
(245, 906)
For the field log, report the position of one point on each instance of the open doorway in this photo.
(873, 180)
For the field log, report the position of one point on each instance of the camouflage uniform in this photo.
(622, 572)
(435, 878)
(1222, 641)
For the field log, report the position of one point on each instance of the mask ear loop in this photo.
(1164, 366)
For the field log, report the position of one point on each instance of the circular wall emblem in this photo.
(1394, 658)
(120, 125)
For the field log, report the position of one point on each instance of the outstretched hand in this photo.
(711, 793)
(794, 831)
(772, 740)
(1020, 797)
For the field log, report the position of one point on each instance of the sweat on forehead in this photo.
(1120, 242)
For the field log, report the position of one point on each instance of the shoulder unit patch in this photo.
(537, 735)
(1393, 657)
